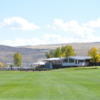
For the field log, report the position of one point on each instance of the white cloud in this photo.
(72, 28)
(52, 38)
(75, 32)
(45, 39)
(49, 39)
(18, 23)
(93, 23)
(47, 26)
(72, 32)
(22, 42)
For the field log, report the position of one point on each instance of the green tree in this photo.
(18, 59)
(63, 48)
(64, 51)
(50, 54)
(58, 52)
(1, 64)
(68, 51)
(93, 53)
(95, 59)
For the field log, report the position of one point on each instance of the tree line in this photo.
(94, 54)
(68, 50)
(63, 51)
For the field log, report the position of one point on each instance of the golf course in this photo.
(59, 84)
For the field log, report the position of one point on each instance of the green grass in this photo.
(61, 84)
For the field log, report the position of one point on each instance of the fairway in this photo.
(61, 84)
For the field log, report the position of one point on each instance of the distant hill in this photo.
(29, 55)
(37, 52)
(75, 45)
(80, 48)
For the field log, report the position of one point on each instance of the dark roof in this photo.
(79, 57)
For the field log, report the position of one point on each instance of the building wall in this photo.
(55, 64)
(48, 65)
(73, 64)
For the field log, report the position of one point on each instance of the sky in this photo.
(40, 22)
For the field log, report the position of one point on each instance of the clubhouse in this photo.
(71, 61)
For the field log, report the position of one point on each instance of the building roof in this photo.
(50, 59)
(39, 63)
(79, 57)
(72, 57)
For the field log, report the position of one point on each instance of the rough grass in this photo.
(61, 84)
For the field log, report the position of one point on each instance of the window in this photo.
(65, 61)
(80, 61)
(75, 61)
(71, 61)
(48, 61)
(54, 62)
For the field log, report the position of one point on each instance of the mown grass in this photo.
(61, 84)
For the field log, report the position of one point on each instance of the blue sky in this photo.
(36, 22)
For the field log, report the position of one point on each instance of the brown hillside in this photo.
(35, 53)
